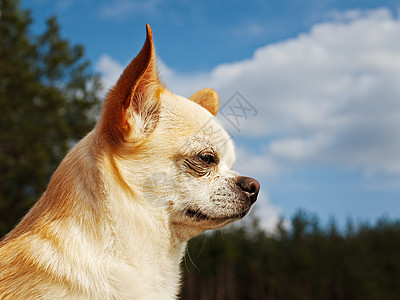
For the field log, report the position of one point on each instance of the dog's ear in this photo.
(132, 107)
(208, 98)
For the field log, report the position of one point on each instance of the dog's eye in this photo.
(202, 163)
(207, 158)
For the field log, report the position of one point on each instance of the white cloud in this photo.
(266, 213)
(331, 95)
(255, 165)
(182, 84)
(109, 69)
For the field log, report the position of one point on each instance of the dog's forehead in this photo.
(198, 129)
(219, 140)
(228, 151)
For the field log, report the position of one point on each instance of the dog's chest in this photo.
(147, 280)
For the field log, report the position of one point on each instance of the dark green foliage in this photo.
(306, 261)
(47, 100)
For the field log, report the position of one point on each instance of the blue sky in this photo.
(322, 78)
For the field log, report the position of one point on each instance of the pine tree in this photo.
(47, 102)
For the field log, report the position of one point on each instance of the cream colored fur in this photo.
(120, 208)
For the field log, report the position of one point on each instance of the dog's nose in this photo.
(250, 186)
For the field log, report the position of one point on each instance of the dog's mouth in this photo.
(200, 216)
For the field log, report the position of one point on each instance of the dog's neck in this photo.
(103, 232)
(147, 248)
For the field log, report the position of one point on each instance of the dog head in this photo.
(170, 151)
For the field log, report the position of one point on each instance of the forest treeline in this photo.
(48, 97)
(306, 261)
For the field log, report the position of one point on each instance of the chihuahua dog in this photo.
(119, 210)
